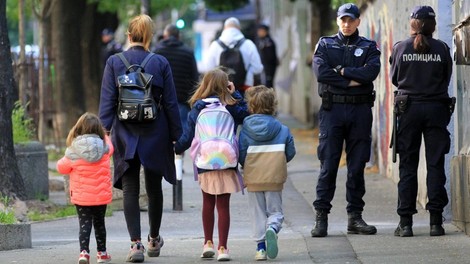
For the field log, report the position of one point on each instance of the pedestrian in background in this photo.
(183, 66)
(137, 143)
(266, 145)
(109, 45)
(421, 69)
(87, 162)
(185, 73)
(267, 52)
(345, 64)
(216, 185)
(230, 36)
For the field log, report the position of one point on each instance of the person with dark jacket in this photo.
(109, 45)
(421, 69)
(147, 144)
(267, 52)
(345, 64)
(183, 66)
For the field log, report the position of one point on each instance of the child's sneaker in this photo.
(223, 254)
(136, 254)
(154, 246)
(271, 243)
(84, 257)
(103, 257)
(208, 250)
(261, 255)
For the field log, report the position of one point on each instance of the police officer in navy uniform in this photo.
(421, 68)
(345, 64)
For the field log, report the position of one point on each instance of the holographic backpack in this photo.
(215, 145)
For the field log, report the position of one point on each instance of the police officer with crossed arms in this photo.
(345, 65)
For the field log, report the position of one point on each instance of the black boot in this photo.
(436, 225)
(356, 225)
(321, 224)
(405, 227)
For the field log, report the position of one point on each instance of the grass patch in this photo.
(7, 215)
(51, 213)
(56, 212)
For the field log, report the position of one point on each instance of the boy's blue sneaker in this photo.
(271, 243)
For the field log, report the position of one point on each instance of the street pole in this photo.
(178, 187)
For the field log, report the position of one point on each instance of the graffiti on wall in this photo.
(378, 27)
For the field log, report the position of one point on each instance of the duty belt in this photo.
(353, 99)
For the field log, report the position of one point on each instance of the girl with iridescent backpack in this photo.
(217, 176)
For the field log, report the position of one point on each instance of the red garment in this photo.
(90, 182)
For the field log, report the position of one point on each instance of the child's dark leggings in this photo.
(89, 216)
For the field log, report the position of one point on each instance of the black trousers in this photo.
(131, 191)
(88, 217)
(348, 124)
(426, 120)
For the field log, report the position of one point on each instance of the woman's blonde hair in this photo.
(261, 100)
(88, 123)
(140, 30)
(214, 83)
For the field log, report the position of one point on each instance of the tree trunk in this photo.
(91, 62)
(68, 88)
(23, 82)
(145, 7)
(43, 19)
(11, 182)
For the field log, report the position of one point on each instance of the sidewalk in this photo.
(57, 241)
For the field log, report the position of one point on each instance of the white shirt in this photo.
(251, 58)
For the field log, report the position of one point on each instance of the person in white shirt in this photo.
(230, 36)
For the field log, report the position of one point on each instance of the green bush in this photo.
(23, 126)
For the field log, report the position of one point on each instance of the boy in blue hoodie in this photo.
(266, 146)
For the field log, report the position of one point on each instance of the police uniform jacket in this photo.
(421, 76)
(151, 141)
(358, 56)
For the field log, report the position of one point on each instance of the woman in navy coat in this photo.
(147, 144)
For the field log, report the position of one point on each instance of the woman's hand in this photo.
(231, 87)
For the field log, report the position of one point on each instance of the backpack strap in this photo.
(128, 65)
(144, 62)
(124, 60)
(237, 45)
(222, 44)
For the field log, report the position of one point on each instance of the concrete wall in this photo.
(289, 25)
(387, 21)
(460, 181)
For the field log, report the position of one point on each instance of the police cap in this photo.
(422, 12)
(350, 10)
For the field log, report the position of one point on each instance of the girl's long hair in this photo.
(214, 83)
(88, 123)
(422, 28)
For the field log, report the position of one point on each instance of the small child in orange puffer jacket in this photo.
(87, 161)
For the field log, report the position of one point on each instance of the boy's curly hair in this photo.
(261, 100)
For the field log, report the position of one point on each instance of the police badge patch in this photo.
(358, 52)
